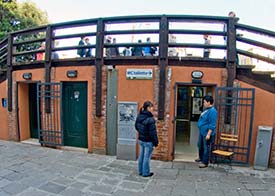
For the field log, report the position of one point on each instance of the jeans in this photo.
(205, 148)
(145, 154)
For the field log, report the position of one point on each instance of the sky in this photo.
(251, 12)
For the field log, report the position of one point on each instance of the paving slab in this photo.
(29, 170)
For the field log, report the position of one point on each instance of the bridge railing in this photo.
(3, 54)
(174, 36)
(260, 43)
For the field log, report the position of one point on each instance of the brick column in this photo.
(12, 117)
(161, 152)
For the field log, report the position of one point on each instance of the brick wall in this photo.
(12, 117)
(161, 152)
(99, 123)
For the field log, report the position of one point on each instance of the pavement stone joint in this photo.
(29, 170)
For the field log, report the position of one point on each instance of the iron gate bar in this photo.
(239, 108)
(50, 127)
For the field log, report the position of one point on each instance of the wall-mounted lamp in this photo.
(197, 76)
(72, 73)
(4, 102)
(27, 76)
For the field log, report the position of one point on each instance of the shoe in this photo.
(151, 174)
(197, 160)
(202, 165)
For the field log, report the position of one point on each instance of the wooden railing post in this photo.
(231, 64)
(48, 64)
(48, 52)
(99, 63)
(9, 71)
(163, 61)
(231, 51)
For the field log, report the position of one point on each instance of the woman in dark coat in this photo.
(147, 138)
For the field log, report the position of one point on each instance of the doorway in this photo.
(188, 107)
(33, 110)
(75, 114)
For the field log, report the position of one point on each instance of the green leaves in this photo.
(16, 16)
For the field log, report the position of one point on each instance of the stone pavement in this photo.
(29, 170)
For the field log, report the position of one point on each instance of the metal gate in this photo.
(49, 114)
(235, 116)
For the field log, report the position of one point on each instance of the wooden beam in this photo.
(48, 52)
(264, 82)
(256, 56)
(99, 64)
(231, 51)
(9, 71)
(270, 87)
(163, 62)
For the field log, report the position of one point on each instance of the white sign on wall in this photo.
(139, 74)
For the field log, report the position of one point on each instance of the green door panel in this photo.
(75, 114)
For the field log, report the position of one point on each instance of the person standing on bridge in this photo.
(206, 50)
(207, 131)
(137, 50)
(40, 56)
(89, 50)
(147, 138)
(81, 51)
(114, 50)
(231, 14)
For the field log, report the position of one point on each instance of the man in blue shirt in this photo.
(207, 128)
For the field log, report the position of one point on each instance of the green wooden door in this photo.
(75, 114)
(33, 110)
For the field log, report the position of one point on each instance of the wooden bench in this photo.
(224, 149)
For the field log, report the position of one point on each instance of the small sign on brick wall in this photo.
(139, 74)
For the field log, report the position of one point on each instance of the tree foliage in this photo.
(16, 16)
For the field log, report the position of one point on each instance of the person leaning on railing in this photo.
(114, 50)
(40, 56)
(230, 15)
(81, 51)
(137, 50)
(89, 50)
(206, 51)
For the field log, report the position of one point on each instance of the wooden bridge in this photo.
(18, 51)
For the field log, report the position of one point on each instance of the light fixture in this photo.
(72, 73)
(27, 76)
(197, 76)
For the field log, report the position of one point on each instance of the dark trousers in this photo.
(205, 147)
(206, 54)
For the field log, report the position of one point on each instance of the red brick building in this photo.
(72, 101)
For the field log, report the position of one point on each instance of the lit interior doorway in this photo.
(188, 107)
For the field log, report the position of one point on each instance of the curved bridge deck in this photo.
(177, 38)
